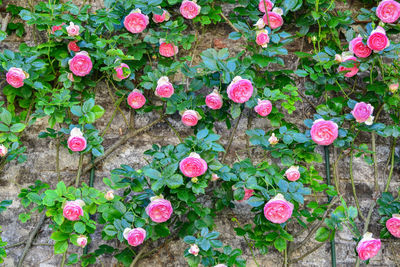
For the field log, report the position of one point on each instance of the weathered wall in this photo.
(41, 165)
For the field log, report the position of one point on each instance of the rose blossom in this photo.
(16, 76)
(262, 38)
(393, 87)
(261, 5)
(273, 140)
(338, 58)
(109, 195)
(136, 99)
(388, 11)
(81, 241)
(119, 72)
(189, 9)
(263, 107)
(193, 165)
(274, 17)
(70, 77)
(260, 24)
(378, 40)
(159, 210)
(350, 72)
(72, 46)
(57, 28)
(80, 64)
(194, 250)
(358, 48)
(214, 177)
(3, 151)
(136, 22)
(161, 18)
(134, 236)
(368, 247)
(214, 100)
(76, 142)
(72, 29)
(164, 88)
(73, 210)
(247, 194)
(240, 90)
(278, 209)
(168, 49)
(362, 111)
(324, 132)
(393, 225)
(293, 174)
(190, 117)
(220, 265)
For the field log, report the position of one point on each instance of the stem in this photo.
(63, 259)
(328, 178)
(174, 130)
(229, 22)
(353, 185)
(78, 175)
(137, 257)
(391, 166)
(231, 137)
(113, 100)
(113, 115)
(58, 159)
(373, 142)
(91, 182)
(306, 254)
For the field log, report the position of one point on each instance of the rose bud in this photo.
(247, 194)
(3, 151)
(76, 142)
(82, 241)
(350, 72)
(214, 177)
(109, 195)
(121, 72)
(393, 87)
(194, 250)
(72, 46)
(273, 140)
(161, 18)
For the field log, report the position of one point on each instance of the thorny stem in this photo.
(58, 159)
(373, 143)
(137, 257)
(113, 100)
(307, 253)
(248, 243)
(391, 166)
(328, 178)
(353, 185)
(371, 209)
(229, 22)
(231, 137)
(113, 115)
(335, 173)
(78, 175)
(174, 130)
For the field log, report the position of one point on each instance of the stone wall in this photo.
(41, 165)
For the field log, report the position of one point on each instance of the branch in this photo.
(229, 22)
(231, 137)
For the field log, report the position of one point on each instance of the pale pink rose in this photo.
(293, 174)
(263, 108)
(119, 72)
(393, 87)
(214, 100)
(388, 11)
(80, 64)
(134, 236)
(189, 9)
(220, 265)
(159, 210)
(362, 111)
(136, 22)
(278, 209)
(358, 48)
(274, 18)
(57, 28)
(70, 77)
(262, 38)
(247, 194)
(194, 250)
(72, 29)
(261, 5)
(190, 117)
(393, 225)
(324, 132)
(109, 195)
(82, 241)
(16, 76)
(73, 210)
(193, 165)
(161, 18)
(3, 151)
(260, 24)
(136, 99)
(350, 72)
(273, 140)
(378, 40)
(72, 46)
(240, 90)
(214, 177)
(76, 142)
(168, 49)
(338, 58)
(164, 88)
(368, 247)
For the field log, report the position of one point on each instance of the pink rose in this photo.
(393, 225)
(263, 108)
(80, 64)
(214, 100)
(72, 46)
(136, 22)
(164, 88)
(122, 72)
(350, 72)
(393, 87)
(262, 38)
(159, 210)
(109, 195)
(193, 165)
(72, 29)
(136, 99)
(168, 49)
(76, 142)
(82, 241)
(161, 18)
(190, 117)
(189, 9)
(220, 265)
(278, 209)
(70, 77)
(134, 236)
(388, 11)
(3, 151)
(194, 250)
(324, 132)
(368, 247)
(261, 5)
(293, 174)
(378, 40)
(240, 90)
(73, 210)
(273, 140)
(275, 20)
(358, 48)
(16, 76)
(362, 112)
(247, 194)
(57, 28)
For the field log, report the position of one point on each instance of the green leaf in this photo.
(34, 198)
(88, 105)
(280, 244)
(110, 230)
(174, 181)
(5, 117)
(59, 236)
(79, 227)
(60, 247)
(235, 110)
(4, 128)
(72, 259)
(154, 174)
(61, 189)
(77, 111)
(24, 217)
(18, 127)
(161, 230)
(98, 111)
(235, 35)
(322, 234)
